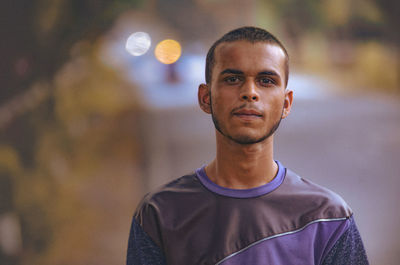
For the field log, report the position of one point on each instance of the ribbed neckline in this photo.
(242, 193)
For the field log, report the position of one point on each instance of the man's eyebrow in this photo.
(268, 73)
(238, 72)
(231, 71)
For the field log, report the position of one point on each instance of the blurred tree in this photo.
(337, 35)
(391, 11)
(37, 36)
(37, 39)
(83, 160)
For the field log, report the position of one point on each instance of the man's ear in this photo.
(204, 97)
(287, 105)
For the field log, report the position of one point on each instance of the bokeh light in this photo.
(168, 51)
(138, 43)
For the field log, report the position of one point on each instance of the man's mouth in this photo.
(248, 115)
(248, 112)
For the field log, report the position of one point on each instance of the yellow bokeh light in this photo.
(168, 51)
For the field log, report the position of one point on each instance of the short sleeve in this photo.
(348, 250)
(147, 217)
(141, 249)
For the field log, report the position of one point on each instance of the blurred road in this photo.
(352, 146)
(348, 144)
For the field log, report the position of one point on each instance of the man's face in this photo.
(248, 96)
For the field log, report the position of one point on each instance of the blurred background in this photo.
(90, 122)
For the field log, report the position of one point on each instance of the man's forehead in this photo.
(249, 44)
(243, 50)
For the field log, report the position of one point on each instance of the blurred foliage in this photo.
(356, 41)
(59, 201)
(375, 63)
(79, 130)
(40, 34)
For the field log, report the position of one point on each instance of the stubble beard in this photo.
(245, 139)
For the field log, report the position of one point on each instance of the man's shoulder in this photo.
(305, 192)
(175, 190)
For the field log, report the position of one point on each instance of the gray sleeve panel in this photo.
(141, 249)
(348, 250)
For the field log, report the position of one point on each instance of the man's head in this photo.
(246, 86)
(250, 34)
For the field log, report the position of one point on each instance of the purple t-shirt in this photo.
(287, 221)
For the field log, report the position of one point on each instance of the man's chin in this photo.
(245, 135)
(247, 139)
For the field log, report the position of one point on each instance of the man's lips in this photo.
(248, 112)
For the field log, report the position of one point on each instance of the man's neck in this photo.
(239, 166)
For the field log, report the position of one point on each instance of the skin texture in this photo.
(247, 99)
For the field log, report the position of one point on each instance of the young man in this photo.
(244, 208)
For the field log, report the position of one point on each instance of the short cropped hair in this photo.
(251, 34)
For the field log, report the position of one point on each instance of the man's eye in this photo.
(266, 81)
(232, 79)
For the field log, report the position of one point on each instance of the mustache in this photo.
(248, 107)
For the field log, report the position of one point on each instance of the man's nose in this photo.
(249, 91)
